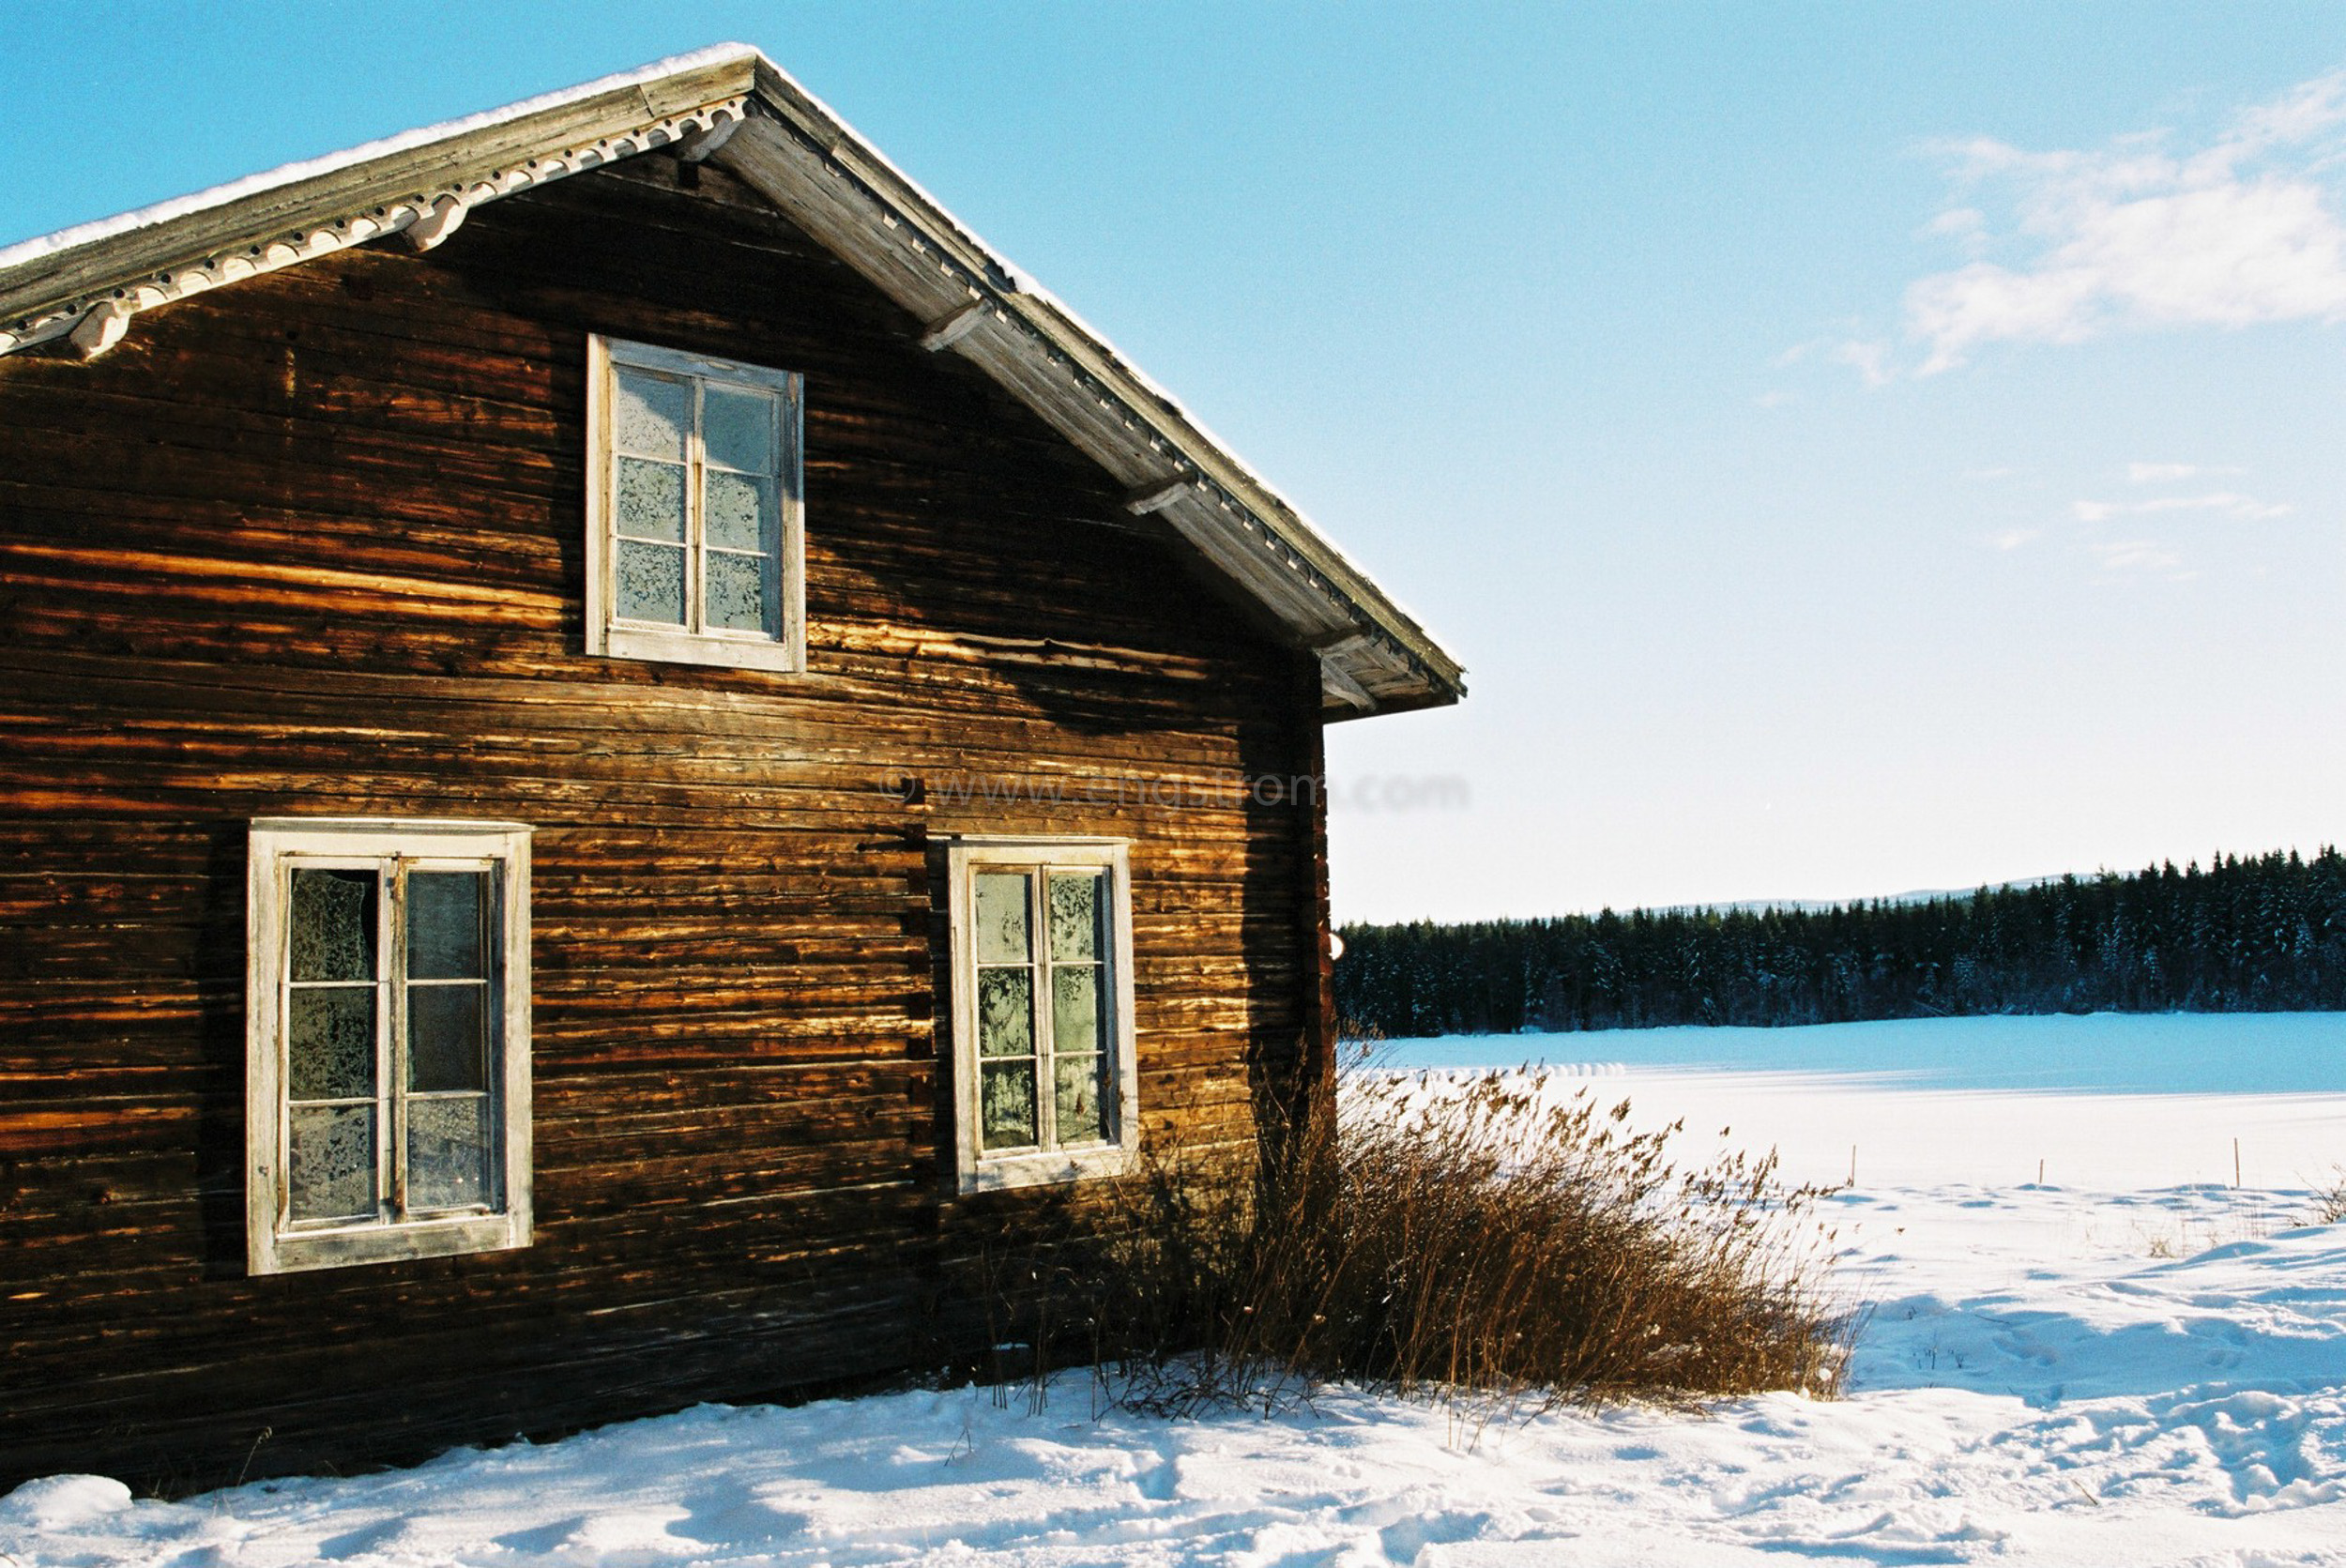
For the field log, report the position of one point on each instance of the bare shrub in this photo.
(2329, 1199)
(1481, 1239)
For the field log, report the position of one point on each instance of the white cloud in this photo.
(1870, 361)
(2138, 554)
(2225, 502)
(1775, 400)
(2012, 539)
(2172, 473)
(1966, 224)
(2138, 233)
(1869, 357)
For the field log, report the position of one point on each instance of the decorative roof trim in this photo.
(425, 218)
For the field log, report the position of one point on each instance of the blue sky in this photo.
(1854, 449)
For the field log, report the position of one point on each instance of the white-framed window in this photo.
(695, 540)
(1044, 1081)
(387, 1041)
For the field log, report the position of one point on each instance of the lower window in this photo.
(1043, 1010)
(388, 1040)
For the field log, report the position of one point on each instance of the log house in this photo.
(616, 742)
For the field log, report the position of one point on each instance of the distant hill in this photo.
(2265, 933)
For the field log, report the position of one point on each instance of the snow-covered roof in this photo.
(79, 290)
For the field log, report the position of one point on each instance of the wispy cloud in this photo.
(2173, 473)
(1869, 359)
(2222, 502)
(2141, 233)
(2140, 554)
(1963, 222)
(2012, 539)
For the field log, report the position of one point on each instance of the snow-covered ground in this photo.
(2132, 1364)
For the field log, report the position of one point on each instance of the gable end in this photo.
(79, 292)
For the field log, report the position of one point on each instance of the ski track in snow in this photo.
(2046, 1376)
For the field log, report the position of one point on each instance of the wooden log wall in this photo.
(313, 545)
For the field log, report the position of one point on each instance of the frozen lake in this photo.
(2162, 1053)
(2109, 1100)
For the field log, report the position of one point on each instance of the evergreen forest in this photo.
(2258, 933)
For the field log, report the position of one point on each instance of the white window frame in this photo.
(608, 635)
(978, 1171)
(275, 846)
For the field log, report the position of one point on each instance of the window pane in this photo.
(1001, 914)
(332, 922)
(737, 427)
(445, 927)
(652, 415)
(1075, 1009)
(1005, 1013)
(330, 1043)
(1075, 1081)
(651, 500)
(447, 1037)
(1006, 1092)
(651, 583)
(447, 1153)
(741, 596)
(740, 512)
(1075, 916)
(332, 1175)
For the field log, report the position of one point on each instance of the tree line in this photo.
(2260, 934)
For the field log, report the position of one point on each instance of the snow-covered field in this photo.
(2134, 1362)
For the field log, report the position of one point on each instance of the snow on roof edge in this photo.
(1179, 410)
(287, 173)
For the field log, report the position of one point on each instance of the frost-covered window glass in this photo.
(1043, 1010)
(387, 1052)
(693, 509)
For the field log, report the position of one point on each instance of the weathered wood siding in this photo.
(315, 545)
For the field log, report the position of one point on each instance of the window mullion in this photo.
(1045, 1074)
(392, 1098)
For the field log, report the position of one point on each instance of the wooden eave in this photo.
(735, 107)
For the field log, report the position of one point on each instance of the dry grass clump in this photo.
(1482, 1239)
(2329, 1198)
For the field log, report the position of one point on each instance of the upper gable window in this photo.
(694, 549)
